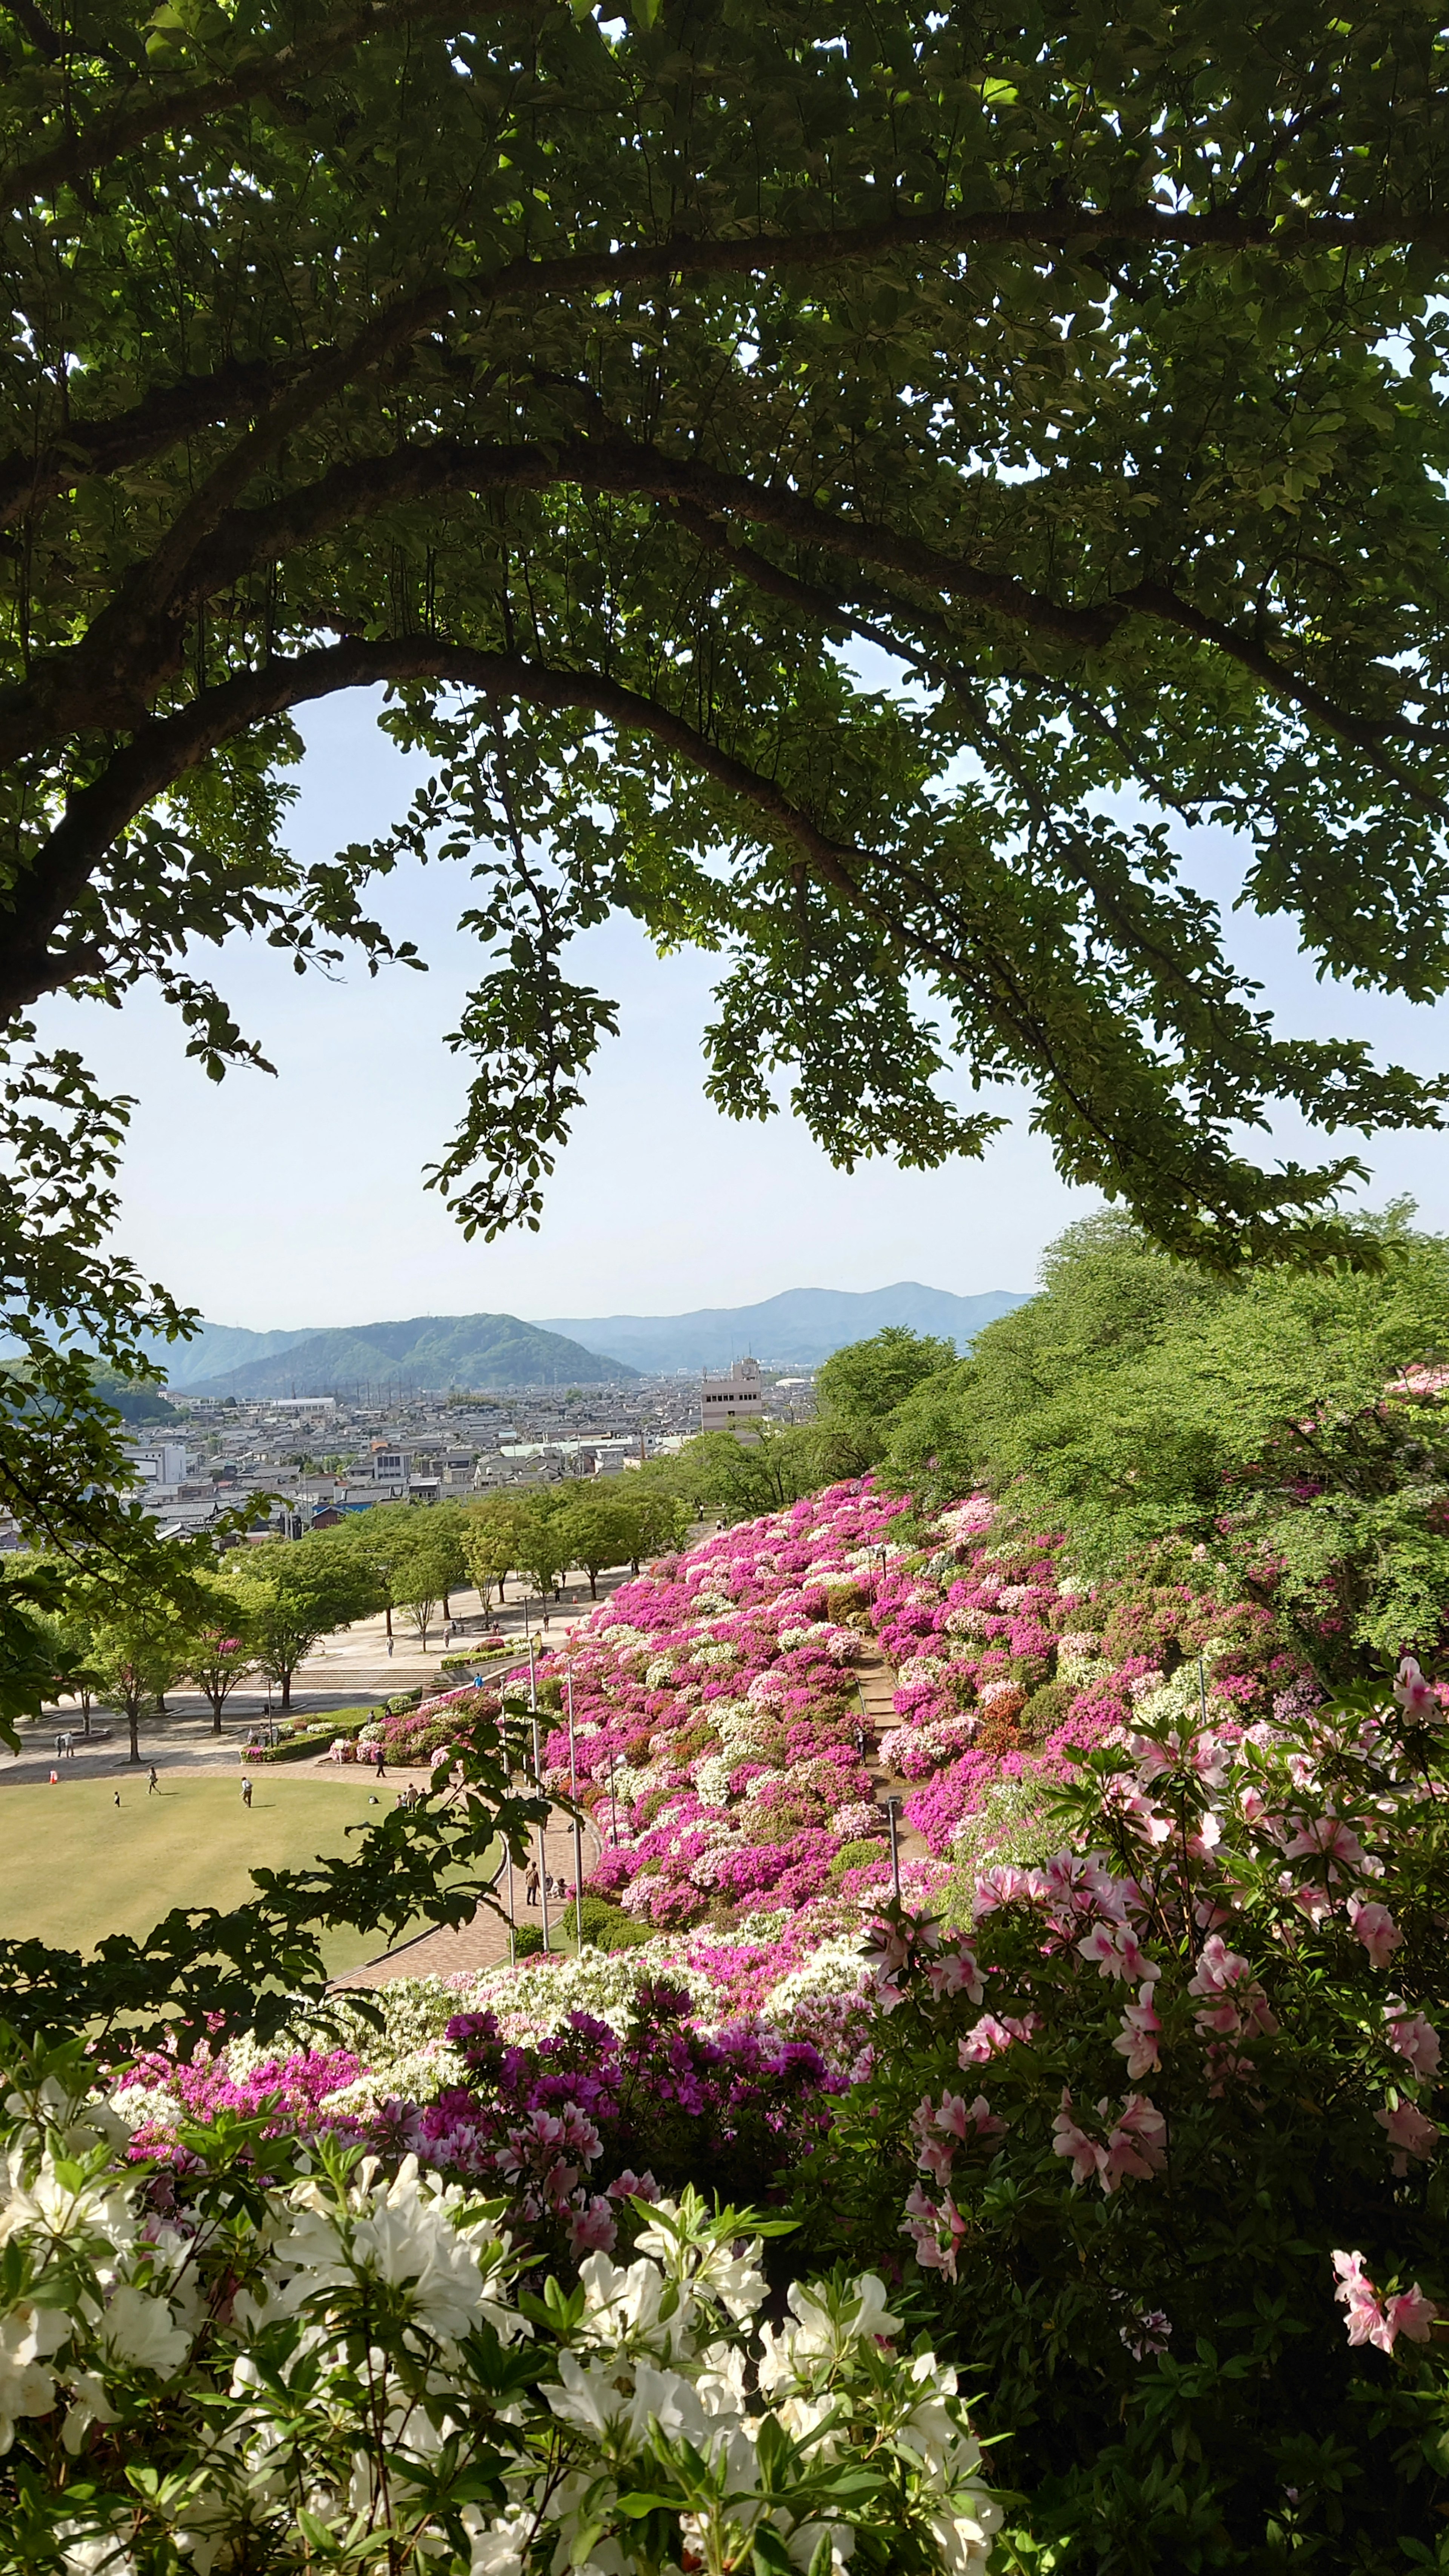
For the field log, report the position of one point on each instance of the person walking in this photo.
(118, 1797)
(381, 1764)
(246, 1791)
(152, 1783)
(530, 1884)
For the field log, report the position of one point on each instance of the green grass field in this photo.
(76, 1866)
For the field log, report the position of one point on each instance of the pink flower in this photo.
(937, 2233)
(631, 2186)
(1329, 1838)
(1408, 2312)
(1235, 2005)
(1414, 2038)
(1117, 1953)
(956, 1972)
(988, 2037)
(592, 2228)
(1374, 1925)
(1412, 1692)
(1070, 2140)
(998, 1887)
(1409, 2134)
(1141, 2031)
(1136, 2148)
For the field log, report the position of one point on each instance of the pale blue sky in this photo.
(299, 1200)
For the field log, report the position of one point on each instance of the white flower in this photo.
(27, 2336)
(499, 2548)
(589, 2395)
(141, 2329)
(93, 2553)
(619, 2303)
(48, 2206)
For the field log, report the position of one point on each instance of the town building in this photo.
(727, 1401)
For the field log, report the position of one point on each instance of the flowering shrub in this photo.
(718, 1736)
(338, 2368)
(1161, 2128)
(560, 2127)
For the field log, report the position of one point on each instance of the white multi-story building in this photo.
(726, 1401)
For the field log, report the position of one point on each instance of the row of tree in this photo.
(125, 1632)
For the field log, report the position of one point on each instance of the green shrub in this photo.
(1046, 1709)
(606, 1926)
(857, 1855)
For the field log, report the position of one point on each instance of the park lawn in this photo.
(76, 1866)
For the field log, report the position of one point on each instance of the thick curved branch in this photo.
(620, 466)
(168, 103)
(149, 428)
(129, 437)
(166, 748)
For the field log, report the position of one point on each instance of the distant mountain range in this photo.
(435, 1351)
(797, 1329)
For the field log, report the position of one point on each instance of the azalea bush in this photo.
(719, 1739)
(570, 2127)
(1162, 2128)
(315, 2363)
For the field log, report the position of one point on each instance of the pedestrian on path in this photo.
(530, 1884)
(381, 1765)
(246, 1791)
(152, 1783)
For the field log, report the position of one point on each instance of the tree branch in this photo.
(615, 464)
(167, 105)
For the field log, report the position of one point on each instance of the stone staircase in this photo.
(877, 1682)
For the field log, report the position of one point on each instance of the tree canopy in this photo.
(839, 485)
(628, 397)
(1291, 1423)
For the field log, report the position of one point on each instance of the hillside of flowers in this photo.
(719, 1739)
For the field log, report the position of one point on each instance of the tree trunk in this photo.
(286, 1690)
(216, 1709)
(389, 1623)
(593, 1583)
(133, 1720)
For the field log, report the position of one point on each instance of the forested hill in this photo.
(438, 1351)
(799, 1328)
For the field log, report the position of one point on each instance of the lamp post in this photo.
(538, 1784)
(891, 1805)
(578, 1828)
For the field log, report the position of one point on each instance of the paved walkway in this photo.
(349, 1668)
(483, 1943)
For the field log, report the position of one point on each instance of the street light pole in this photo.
(538, 1784)
(578, 1828)
(891, 1805)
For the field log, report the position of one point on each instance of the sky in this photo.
(299, 1201)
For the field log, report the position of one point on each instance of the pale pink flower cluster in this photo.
(1372, 2320)
(1134, 2149)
